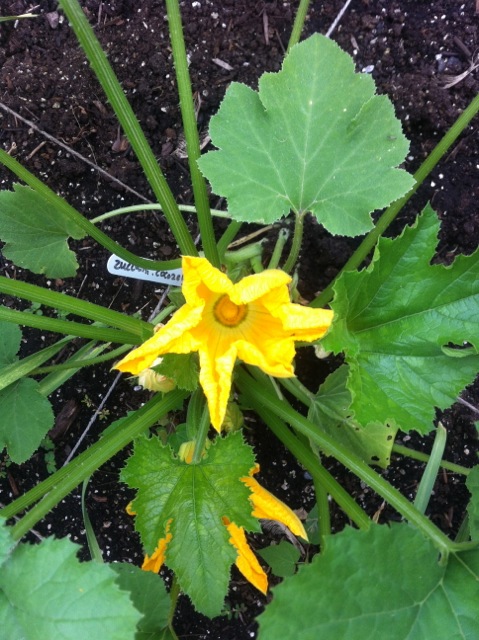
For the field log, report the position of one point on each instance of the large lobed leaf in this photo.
(45, 592)
(315, 137)
(194, 497)
(36, 234)
(331, 411)
(383, 583)
(397, 322)
(26, 416)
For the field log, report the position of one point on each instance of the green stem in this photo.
(298, 23)
(91, 331)
(52, 381)
(201, 434)
(308, 460)
(191, 132)
(283, 236)
(29, 365)
(58, 485)
(79, 364)
(327, 444)
(392, 211)
(296, 244)
(74, 306)
(116, 96)
(424, 457)
(228, 236)
(303, 452)
(134, 208)
(429, 476)
(60, 205)
(248, 252)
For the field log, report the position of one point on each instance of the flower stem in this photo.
(392, 211)
(296, 244)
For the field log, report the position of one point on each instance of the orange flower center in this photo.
(228, 313)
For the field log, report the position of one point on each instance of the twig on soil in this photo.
(46, 135)
(337, 19)
(468, 405)
(456, 79)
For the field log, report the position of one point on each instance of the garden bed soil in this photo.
(411, 47)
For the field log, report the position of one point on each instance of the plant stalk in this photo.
(262, 397)
(191, 132)
(296, 243)
(116, 96)
(298, 23)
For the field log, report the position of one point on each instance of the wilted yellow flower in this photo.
(253, 320)
(266, 506)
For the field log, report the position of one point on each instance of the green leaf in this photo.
(26, 417)
(149, 596)
(183, 368)
(314, 138)
(311, 524)
(6, 543)
(332, 413)
(282, 558)
(45, 592)
(472, 483)
(392, 321)
(36, 233)
(10, 339)
(195, 498)
(376, 584)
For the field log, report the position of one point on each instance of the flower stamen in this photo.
(228, 313)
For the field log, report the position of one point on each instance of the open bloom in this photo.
(265, 506)
(253, 320)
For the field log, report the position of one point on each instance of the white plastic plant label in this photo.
(119, 267)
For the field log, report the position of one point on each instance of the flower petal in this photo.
(198, 273)
(253, 287)
(174, 337)
(216, 368)
(157, 559)
(268, 507)
(305, 323)
(246, 561)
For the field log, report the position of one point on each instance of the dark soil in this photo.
(411, 48)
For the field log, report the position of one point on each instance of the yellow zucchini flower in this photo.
(265, 506)
(253, 320)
